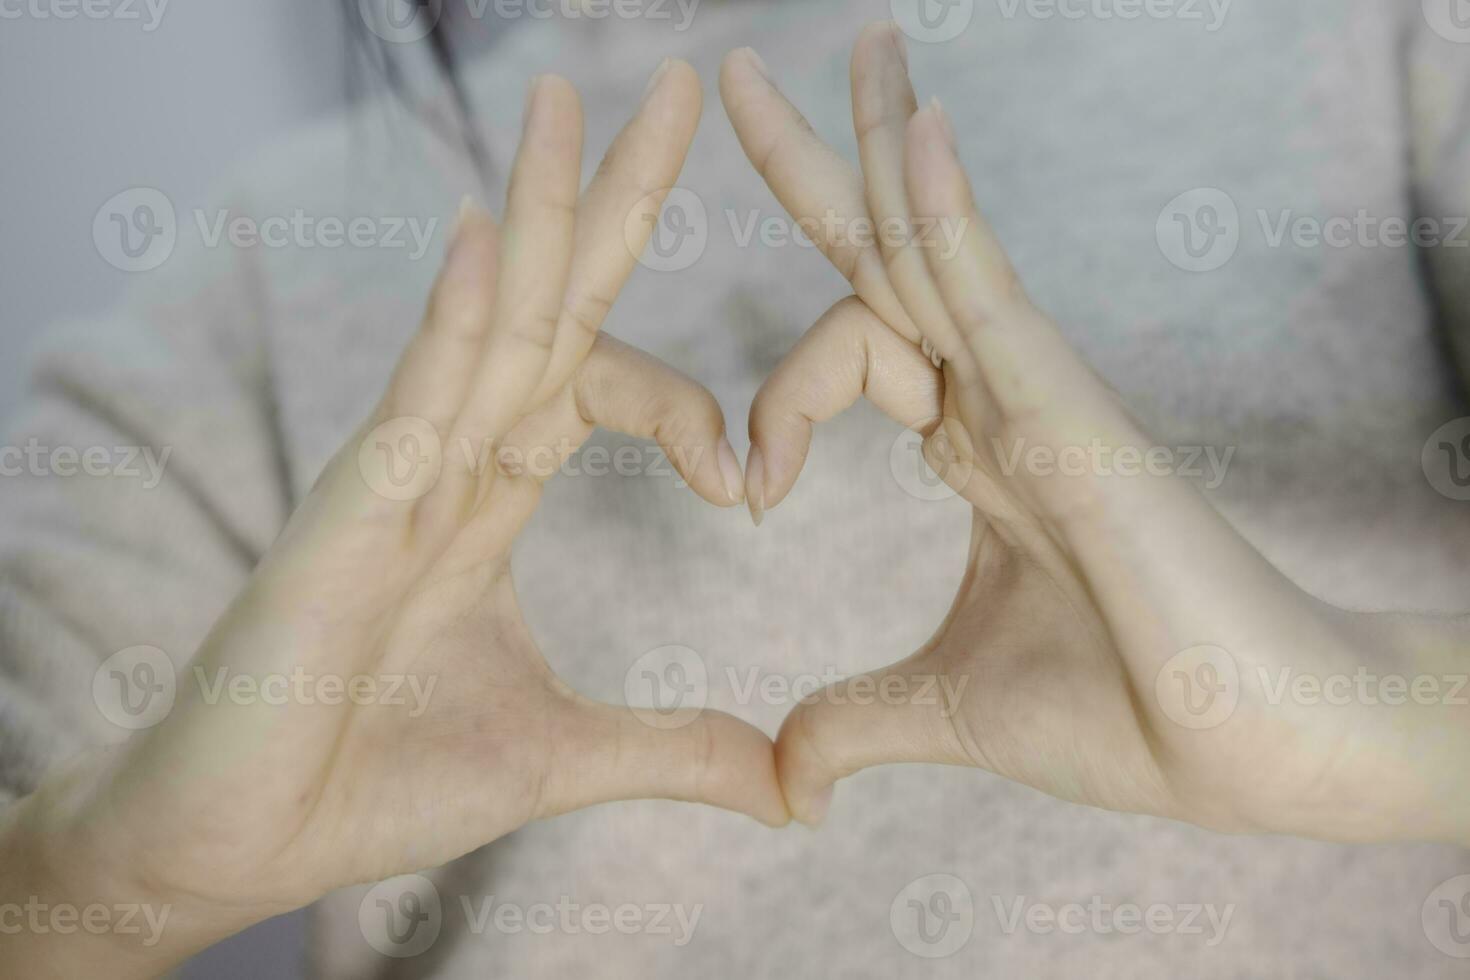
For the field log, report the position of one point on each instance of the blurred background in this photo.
(93, 106)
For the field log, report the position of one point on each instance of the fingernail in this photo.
(759, 63)
(900, 41)
(946, 125)
(755, 485)
(656, 77)
(816, 811)
(730, 471)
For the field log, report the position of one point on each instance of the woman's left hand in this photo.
(1114, 641)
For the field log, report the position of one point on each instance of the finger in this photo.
(617, 212)
(609, 753)
(535, 257)
(487, 535)
(1052, 397)
(433, 377)
(849, 353)
(811, 180)
(621, 388)
(1027, 365)
(882, 104)
(899, 714)
(427, 391)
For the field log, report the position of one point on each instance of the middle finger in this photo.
(882, 104)
(815, 185)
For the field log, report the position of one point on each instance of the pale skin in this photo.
(1080, 589)
(1078, 593)
(231, 813)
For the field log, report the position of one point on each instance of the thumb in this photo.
(610, 752)
(902, 713)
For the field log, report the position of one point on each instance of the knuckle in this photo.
(683, 411)
(588, 312)
(536, 329)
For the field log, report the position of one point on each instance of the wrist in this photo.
(75, 902)
(1421, 666)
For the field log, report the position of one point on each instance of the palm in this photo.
(459, 758)
(1048, 701)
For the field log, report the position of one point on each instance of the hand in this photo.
(1094, 606)
(233, 812)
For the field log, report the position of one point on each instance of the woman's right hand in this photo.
(233, 812)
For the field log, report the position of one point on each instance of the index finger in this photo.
(815, 185)
(614, 216)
